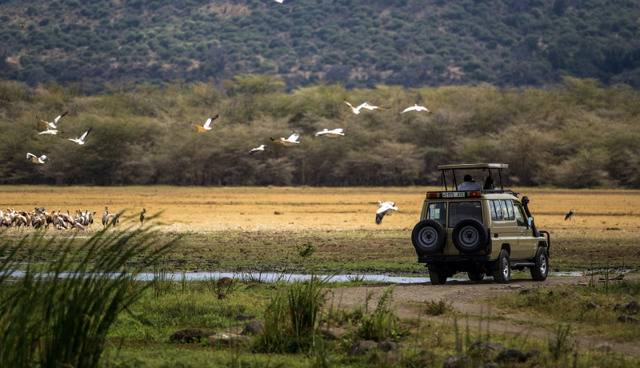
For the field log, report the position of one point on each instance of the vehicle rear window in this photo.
(437, 212)
(459, 211)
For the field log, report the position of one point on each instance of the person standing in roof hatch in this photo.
(469, 184)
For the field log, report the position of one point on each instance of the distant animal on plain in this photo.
(142, 216)
(569, 214)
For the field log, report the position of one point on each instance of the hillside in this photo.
(355, 42)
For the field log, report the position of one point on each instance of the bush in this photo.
(59, 314)
(382, 324)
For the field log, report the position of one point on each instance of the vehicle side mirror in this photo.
(529, 221)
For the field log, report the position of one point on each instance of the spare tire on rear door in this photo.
(470, 236)
(428, 237)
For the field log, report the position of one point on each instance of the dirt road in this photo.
(470, 299)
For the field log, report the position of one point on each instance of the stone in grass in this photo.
(254, 327)
(227, 339)
(632, 307)
(453, 361)
(512, 356)
(387, 345)
(363, 346)
(484, 349)
(627, 319)
(332, 333)
(189, 335)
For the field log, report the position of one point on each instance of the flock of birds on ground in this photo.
(39, 217)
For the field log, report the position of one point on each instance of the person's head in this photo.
(468, 178)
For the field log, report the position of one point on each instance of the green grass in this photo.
(589, 309)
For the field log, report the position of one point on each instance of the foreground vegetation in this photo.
(86, 308)
(578, 134)
(357, 42)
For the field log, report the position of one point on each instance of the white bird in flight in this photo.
(291, 141)
(364, 105)
(384, 208)
(416, 108)
(35, 159)
(48, 132)
(260, 148)
(333, 133)
(53, 125)
(279, 1)
(81, 140)
(207, 126)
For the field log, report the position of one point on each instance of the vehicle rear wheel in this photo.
(475, 275)
(502, 268)
(437, 275)
(540, 271)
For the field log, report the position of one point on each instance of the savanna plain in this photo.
(586, 317)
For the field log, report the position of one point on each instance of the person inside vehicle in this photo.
(488, 183)
(469, 184)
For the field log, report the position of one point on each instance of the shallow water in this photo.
(272, 277)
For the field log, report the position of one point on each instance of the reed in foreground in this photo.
(58, 314)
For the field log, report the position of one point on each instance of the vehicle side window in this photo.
(510, 213)
(520, 216)
(496, 213)
(459, 211)
(437, 212)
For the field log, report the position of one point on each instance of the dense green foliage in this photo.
(59, 315)
(356, 42)
(578, 134)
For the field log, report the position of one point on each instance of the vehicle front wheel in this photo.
(502, 269)
(475, 275)
(540, 271)
(437, 275)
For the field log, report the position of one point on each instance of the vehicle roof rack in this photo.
(476, 166)
(473, 166)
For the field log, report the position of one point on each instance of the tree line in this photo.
(576, 134)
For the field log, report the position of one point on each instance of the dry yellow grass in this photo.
(606, 224)
(276, 208)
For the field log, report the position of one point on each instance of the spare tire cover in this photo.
(470, 236)
(428, 237)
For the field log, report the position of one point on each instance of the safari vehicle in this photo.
(484, 231)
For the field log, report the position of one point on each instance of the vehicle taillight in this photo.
(474, 194)
(433, 195)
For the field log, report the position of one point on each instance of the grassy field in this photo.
(265, 228)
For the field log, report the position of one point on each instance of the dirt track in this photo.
(470, 299)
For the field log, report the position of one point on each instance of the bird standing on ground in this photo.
(384, 208)
(81, 140)
(364, 105)
(35, 159)
(255, 150)
(569, 214)
(144, 210)
(333, 133)
(53, 124)
(416, 108)
(293, 140)
(207, 126)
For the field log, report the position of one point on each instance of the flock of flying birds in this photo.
(384, 207)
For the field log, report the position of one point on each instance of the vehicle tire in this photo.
(475, 275)
(428, 237)
(540, 271)
(470, 236)
(502, 268)
(437, 275)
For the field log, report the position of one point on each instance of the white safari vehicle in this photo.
(481, 229)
